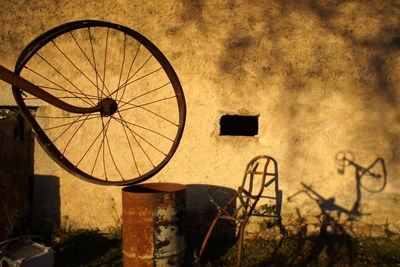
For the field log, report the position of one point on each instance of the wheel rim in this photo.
(87, 62)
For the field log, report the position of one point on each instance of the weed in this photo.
(330, 250)
(84, 247)
(271, 217)
(87, 248)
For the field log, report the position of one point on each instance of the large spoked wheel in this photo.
(87, 62)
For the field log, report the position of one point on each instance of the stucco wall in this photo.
(323, 76)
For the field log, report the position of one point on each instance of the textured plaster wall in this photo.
(323, 76)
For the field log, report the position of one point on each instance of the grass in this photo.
(92, 248)
(329, 250)
(83, 247)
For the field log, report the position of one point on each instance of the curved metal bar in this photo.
(17, 81)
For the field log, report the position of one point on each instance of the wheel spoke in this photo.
(73, 135)
(98, 152)
(147, 129)
(144, 76)
(73, 64)
(62, 117)
(62, 133)
(155, 114)
(68, 80)
(134, 137)
(61, 87)
(129, 73)
(129, 143)
(63, 97)
(127, 82)
(62, 125)
(97, 156)
(111, 155)
(64, 90)
(149, 103)
(104, 149)
(148, 92)
(105, 64)
(94, 62)
(138, 135)
(97, 137)
(90, 62)
(122, 65)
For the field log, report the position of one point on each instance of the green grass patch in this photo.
(328, 250)
(93, 248)
(87, 248)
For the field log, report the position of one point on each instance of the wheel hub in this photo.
(108, 107)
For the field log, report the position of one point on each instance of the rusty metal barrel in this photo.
(153, 221)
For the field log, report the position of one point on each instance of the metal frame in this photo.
(246, 199)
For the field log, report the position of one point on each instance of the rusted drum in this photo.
(153, 224)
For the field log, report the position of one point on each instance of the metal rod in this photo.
(19, 82)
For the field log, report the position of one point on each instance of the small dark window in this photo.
(239, 125)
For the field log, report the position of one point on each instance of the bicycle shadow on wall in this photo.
(335, 221)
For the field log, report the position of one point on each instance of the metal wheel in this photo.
(87, 62)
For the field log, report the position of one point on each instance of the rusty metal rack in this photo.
(247, 196)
